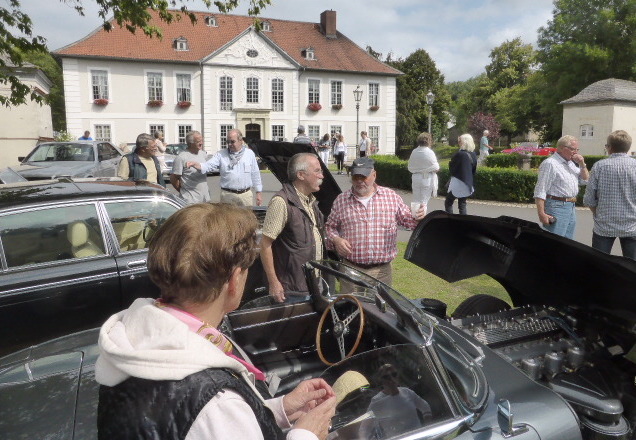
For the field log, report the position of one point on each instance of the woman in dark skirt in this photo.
(462, 167)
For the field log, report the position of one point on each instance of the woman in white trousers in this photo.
(424, 167)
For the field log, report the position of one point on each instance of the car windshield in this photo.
(175, 148)
(62, 152)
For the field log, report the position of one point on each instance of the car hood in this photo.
(535, 266)
(276, 155)
(44, 170)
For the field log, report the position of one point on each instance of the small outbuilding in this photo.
(599, 109)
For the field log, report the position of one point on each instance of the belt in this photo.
(562, 199)
(368, 266)
(236, 191)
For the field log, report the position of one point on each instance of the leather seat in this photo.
(81, 246)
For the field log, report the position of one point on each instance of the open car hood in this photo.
(535, 266)
(276, 155)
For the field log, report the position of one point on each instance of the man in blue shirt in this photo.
(238, 169)
(86, 137)
(484, 148)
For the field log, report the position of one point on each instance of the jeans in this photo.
(604, 244)
(565, 216)
(450, 199)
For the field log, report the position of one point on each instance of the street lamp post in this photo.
(430, 99)
(357, 95)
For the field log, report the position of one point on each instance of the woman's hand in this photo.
(306, 396)
(318, 420)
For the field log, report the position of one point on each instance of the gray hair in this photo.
(143, 140)
(190, 137)
(238, 133)
(158, 134)
(298, 162)
(466, 142)
(566, 141)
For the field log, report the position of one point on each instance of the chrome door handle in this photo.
(136, 264)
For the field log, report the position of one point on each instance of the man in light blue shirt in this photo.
(238, 169)
(484, 148)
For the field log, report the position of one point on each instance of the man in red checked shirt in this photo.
(363, 224)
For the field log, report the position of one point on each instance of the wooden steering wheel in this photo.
(340, 328)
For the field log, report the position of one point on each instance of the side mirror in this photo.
(505, 417)
(21, 158)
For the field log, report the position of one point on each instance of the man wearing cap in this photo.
(238, 169)
(302, 138)
(362, 225)
(558, 185)
(293, 227)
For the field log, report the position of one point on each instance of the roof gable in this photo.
(251, 49)
(611, 89)
(291, 37)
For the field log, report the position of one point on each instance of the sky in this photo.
(457, 34)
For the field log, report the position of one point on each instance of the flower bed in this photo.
(100, 101)
(155, 103)
(336, 106)
(184, 104)
(374, 108)
(314, 106)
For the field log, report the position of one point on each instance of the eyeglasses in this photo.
(230, 141)
(389, 375)
(572, 149)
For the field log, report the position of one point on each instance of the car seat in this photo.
(78, 237)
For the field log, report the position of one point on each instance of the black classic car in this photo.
(559, 365)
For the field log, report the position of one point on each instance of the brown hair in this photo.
(193, 254)
(424, 139)
(619, 141)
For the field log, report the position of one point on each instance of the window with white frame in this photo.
(313, 131)
(155, 86)
(335, 129)
(313, 85)
(184, 92)
(181, 44)
(225, 93)
(374, 135)
(211, 21)
(309, 53)
(266, 26)
(102, 132)
(278, 94)
(183, 131)
(251, 87)
(278, 132)
(374, 94)
(587, 131)
(336, 92)
(155, 128)
(99, 81)
(224, 130)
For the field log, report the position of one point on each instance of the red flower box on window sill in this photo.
(184, 104)
(155, 103)
(374, 108)
(336, 106)
(314, 106)
(100, 101)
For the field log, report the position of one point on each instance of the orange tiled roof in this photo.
(339, 54)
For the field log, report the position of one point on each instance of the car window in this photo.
(107, 151)
(45, 235)
(136, 221)
(58, 152)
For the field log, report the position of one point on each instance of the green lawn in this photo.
(414, 282)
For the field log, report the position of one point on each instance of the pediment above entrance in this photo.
(251, 50)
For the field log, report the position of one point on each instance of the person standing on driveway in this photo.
(293, 228)
(324, 148)
(191, 184)
(462, 168)
(484, 148)
(141, 164)
(365, 144)
(363, 224)
(611, 196)
(340, 150)
(301, 137)
(238, 169)
(558, 185)
(424, 167)
(86, 137)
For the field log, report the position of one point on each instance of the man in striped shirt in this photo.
(611, 195)
(363, 224)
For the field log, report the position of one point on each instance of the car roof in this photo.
(27, 193)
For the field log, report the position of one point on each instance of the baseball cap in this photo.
(301, 128)
(363, 166)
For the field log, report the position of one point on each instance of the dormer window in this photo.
(309, 53)
(181, 44)
(211, 21)
(266, 26)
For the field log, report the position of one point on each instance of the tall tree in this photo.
(16, 30)
(586, 41)
(420, 76)
(511, 64)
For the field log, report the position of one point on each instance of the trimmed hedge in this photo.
(510, 160)
(498, 184)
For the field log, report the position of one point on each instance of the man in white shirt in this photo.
(558, 185)
(365, 144)
(191, 184)
(239, 171)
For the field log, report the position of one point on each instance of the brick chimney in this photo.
(328, 24)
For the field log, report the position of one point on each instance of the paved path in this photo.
(475, 207)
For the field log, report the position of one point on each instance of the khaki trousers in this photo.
(245, 199)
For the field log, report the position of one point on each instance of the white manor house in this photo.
(220, 73)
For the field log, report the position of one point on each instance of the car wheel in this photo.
(482, 304)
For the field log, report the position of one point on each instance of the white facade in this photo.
(250, 61)
(24, 125)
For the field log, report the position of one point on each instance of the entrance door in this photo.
(252, 133)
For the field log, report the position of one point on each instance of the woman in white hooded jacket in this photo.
(167, 372)
(424, 167)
